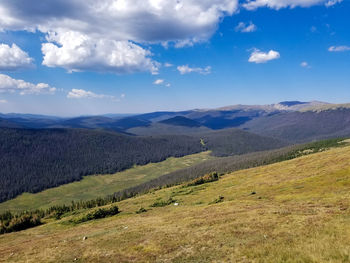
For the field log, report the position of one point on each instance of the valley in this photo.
(174, 131)
(68, 191)
(295, 210)
(91, 187)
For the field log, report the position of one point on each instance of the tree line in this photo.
(34, 160)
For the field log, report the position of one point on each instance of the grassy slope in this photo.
(300, 213)
(102, 185)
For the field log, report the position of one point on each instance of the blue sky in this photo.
(142, 56)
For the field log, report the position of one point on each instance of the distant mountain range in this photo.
(292, 121)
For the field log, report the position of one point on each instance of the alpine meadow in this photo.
(175, 131)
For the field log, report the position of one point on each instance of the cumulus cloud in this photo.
(78, 52)
(185, 69)
(158, 82)
(137, 20)
(258, 56)
(13, 58)
(338, 48)
(10, 85)
(278, 4)
(84, 94)
(246, 28)
(161, 82)
(122, 25)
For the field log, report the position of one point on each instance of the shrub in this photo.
(17, 223)
(212, 177)
(161, 203)
(97, 214)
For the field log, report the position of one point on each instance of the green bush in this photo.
(97, 214)
(18, 223)
(161, 203)
(212, 177)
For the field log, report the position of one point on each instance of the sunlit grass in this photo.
(299, 213)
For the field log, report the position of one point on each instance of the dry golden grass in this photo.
(300, 213)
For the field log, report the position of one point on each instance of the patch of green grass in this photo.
(92, 187)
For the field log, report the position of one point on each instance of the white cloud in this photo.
(168, 65)
(185, 69)
(10, 85)
(13, 58)
(84, 94)
(3, 101)
(333, 2)
(258, 56)
(304, 64)
(158, 82)
(246, 28)
(122, 25)
(136, 20)
(278, 4)
(186, 43)
(161, 82)
(78, 52)
(339, 48)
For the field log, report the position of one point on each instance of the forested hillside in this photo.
(303, 126)
(235, 141)
(33, 160)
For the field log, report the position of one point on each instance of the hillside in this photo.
(141, 179)
(235, 141)
(303, 126)
(293, 211)
(92, 187)
(181, 121)
(8, 124)
(34, 160)
(165, 129)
